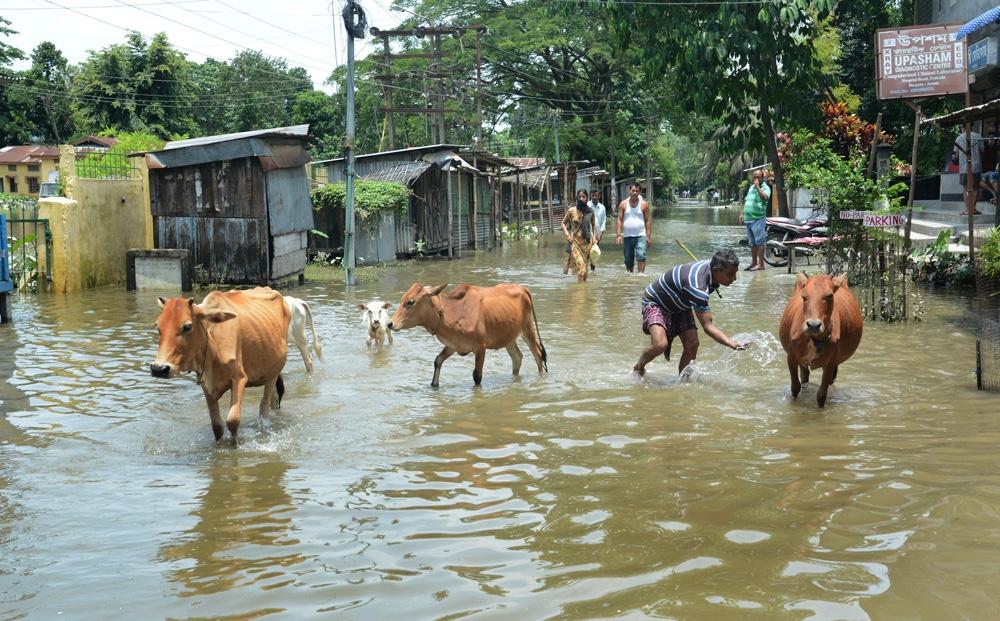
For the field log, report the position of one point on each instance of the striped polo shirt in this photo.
(685, 287)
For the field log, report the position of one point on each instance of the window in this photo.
(34, 167)
(12, 167)
(33, 185)
(12, 184)
(1, 186)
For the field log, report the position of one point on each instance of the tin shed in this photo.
(239, 202)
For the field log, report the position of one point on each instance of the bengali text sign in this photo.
(920, 62)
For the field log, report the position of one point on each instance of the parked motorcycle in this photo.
(781, 230)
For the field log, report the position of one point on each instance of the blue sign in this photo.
(979, 54)
(5, 282)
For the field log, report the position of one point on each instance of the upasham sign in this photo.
(920, 62)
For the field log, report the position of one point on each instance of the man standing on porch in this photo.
(971, 197)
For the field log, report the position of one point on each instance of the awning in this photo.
(988, 110)
(977, 23)
(405, 174)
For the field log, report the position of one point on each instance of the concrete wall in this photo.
(94, 227)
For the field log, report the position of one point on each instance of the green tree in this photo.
(752, 66)
(14, 125)
(253, 91)
(50, 79)
(325, 119)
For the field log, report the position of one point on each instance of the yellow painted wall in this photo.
(93, 229)
(21, 174)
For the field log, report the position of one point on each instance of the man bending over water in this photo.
(671, 301)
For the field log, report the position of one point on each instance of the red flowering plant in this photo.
(850, 136)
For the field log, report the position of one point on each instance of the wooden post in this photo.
(971, 194)
(516, 206)
(475, 203)
(548, 191)
(451, 245)
(458, 179)
(913, 179)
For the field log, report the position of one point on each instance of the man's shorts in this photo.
(757, 232)
(634, 249)
(991, 176)
(673, 323)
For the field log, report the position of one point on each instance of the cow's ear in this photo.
(800, 280)
(839, 281)
(161, 301)
(190, 301)
(217, 316)
(437, 290)
(386, 305)
(361, 307)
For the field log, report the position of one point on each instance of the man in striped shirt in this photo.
(671, 301)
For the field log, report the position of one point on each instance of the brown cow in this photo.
(821, 327)
(231, 340)
(473, 319)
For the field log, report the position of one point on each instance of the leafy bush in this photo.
(936, 266)
(115, 163)
(372, 200)
(989, 254)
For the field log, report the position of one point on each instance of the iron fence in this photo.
(29, 241)
(988, 332)
(108, 165)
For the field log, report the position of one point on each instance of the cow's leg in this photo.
(388, 334)
(829, 372)
(804, 373)
(834, 378)
(515, 357)
(793, 370)
(233, 418)
(303, 344)
(477, 371)
(444, 355)
(215, 415)
(270, 398)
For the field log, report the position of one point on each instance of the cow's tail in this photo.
(316, 348)
(280, 387)
(538, 334)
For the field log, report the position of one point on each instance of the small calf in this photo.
(375, 318)
(301, 315)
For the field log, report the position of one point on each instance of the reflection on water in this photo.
(581, 494)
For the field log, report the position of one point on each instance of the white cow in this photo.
(297, 329)
(375, 318)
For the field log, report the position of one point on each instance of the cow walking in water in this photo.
(302, 317)
(231, 340)
(471, 320)
(820, 328)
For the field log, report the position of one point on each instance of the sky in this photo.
(300, 31)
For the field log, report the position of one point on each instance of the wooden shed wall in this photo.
(218, 211)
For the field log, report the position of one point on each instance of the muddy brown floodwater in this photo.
(580, 495)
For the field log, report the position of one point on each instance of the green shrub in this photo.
(989, 254)
(372, 200)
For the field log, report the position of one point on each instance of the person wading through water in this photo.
(578, 226)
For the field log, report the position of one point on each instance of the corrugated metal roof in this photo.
(405, 173)
(526, 162)
(104, 141)
(990, 109)
(28, 154)
(415, 152)
(295, 131)
(534, 179)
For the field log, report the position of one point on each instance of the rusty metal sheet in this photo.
(289, 208)
(229, 250)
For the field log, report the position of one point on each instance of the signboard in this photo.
(884, 221)
(920, 62)
(853, 215)
(983, 54)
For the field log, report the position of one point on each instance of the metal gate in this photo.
(29, 242)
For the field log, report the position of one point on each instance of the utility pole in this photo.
(354, 29)
(614, 172)
(390, 125)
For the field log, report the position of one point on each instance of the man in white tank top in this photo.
(634, 229)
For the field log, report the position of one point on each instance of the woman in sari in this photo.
(578, 226)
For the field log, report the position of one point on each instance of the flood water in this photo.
(582, 494)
